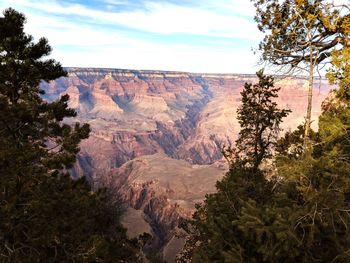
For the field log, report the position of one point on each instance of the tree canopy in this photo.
(299, 32)
(217, 223)
(302, 35)
(45, 216)
(301, 213)
(259, 118)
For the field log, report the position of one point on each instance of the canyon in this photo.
(157, 137)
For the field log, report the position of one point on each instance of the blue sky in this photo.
(214, 36)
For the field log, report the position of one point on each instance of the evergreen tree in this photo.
(259, 118)
(217, 223)
(303, 215)
(45, 216)
(302, 35)
(291, 145)
(321, 187)
(335, 120)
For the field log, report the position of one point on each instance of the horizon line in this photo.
(183, 72)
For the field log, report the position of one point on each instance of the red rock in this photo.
(158, 117)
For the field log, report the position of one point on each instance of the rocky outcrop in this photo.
(187, 116)
(156, 134)
(164, 189)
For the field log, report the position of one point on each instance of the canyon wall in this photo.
(157, 136)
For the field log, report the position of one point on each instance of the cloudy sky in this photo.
(185, 35)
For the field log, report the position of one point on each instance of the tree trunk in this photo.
(307, 145)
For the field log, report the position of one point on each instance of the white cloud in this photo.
(78, 44)
(162, 57)
(163, 18)
(169, 19)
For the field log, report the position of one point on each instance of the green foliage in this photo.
(64, 221)
(45, 216)
(291, 145)
(299, 32)
(303, 215)
(223, 225)
(340, 71)
(335, 120)
(297, 222)
(221, 236)
(300, 215)
(259, 118)
(321, 211)
(302, 35)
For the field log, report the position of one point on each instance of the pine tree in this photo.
(335, 120)
(302, 215)
(291, 145)
(302, 35)
(321, 181)
(217, 223)
(45, 216)
(259, 118)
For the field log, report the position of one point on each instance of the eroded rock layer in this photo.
(157, 136)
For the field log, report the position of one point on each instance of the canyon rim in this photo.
(157, 137)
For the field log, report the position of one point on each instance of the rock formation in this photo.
(157, 136)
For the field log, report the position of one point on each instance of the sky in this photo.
(208, 36)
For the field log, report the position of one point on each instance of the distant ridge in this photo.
(169, 73)
(156, 133)
(151, 72)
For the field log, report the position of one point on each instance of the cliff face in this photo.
(157, 136)
(186, 116)
(165, 190)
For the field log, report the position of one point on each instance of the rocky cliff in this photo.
(157, 136)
